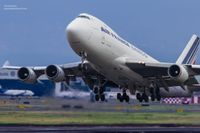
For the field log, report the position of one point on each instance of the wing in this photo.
(167, 73)
(68, 69)
(59, 73)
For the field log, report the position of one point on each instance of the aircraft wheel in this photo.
(95, 90)
(151, 90)
(101, 90)
(138, 96)
(158, 97)
(127, 98)
(140, 99)
(102, 97)
(145, 97)
(124, 95)
(146, 100)
(97, 97)
(121, 99)
(152, 97)
(119, 96)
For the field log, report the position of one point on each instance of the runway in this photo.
(63, 104)
(60, 109)
(100, 128)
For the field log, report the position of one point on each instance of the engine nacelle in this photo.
(27, 75)
(178, 73)
(55, 73)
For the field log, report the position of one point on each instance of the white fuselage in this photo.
(107, 52)
(18, 93)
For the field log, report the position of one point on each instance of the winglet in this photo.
(189, 54)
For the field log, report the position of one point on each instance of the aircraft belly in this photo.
(121, 75)
(175, 91)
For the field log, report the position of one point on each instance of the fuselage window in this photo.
(83, 16)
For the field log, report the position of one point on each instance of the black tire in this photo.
(127, 98)
(101, 90)
(145, 97)
(140, 99)
(124, 95)
(102, 97)
(138, 96)
(121, 99)
(95, 90)
(151, 90)
(97, 97)
(157, 91)
(158, 97)
(119, 96)
(152, 97)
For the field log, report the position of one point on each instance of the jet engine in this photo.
(27, 75)
(178, 73)
(55, 73)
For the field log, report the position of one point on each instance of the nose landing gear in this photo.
(83, 56)
(100, 89)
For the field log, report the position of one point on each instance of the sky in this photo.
(32, 32)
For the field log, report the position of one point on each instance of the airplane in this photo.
(14, 92)
(109, 60)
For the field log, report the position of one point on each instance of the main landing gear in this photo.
(99, 93)
(123, 97)
(142, 97)
(155, 93)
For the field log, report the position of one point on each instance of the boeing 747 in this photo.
(109, 60)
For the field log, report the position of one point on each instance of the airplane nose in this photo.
(77, 32)
(73, 32)
(79, 35)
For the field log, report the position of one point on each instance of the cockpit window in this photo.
(83, 16)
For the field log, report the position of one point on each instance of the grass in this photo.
(61, 117)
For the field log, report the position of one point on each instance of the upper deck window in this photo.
(83, 16)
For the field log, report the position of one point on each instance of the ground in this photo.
(56, 111)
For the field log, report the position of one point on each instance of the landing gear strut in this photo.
(83, 58)
(123, 97)
(155, 93)
(158, 96)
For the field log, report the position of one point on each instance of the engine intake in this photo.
(27, 75)
(178, 73)
(55, 73)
